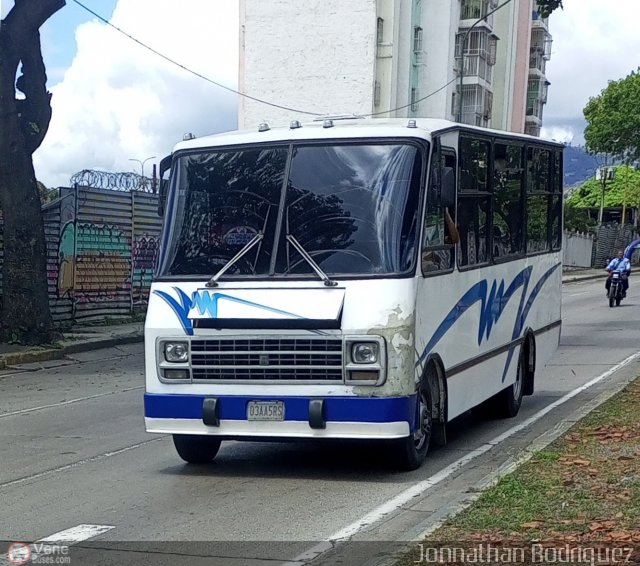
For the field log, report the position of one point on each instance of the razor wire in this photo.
(112, 181)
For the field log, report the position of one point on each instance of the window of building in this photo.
(380, 31)
(417, 39)
(415, 96)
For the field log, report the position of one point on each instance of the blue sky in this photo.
(146, 105)
(58, 34)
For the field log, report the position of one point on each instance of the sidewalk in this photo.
(78, 339)
(572, 274)
(94, 337)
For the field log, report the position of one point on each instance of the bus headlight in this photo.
(365, 352)
(176, 352)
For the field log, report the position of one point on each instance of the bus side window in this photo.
(473, 201)
(539, 199)
(508, 204)
(439, 232)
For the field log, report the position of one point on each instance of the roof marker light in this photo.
(295, 125)
(188, 136)
(327, 124)
(411, 124)
(263, 127)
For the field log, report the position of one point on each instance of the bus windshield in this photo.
(353, 207)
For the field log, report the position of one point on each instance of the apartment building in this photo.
(480, 62)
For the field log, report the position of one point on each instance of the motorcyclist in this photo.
(623, 265)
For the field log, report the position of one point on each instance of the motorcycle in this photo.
(616, 290)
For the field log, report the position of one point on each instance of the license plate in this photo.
(265, 411)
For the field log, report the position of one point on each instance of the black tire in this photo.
(618, 301)
(196, 448)
(506, 403)
(412, 450)
(612, 299)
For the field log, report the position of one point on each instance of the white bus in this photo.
(351, 279)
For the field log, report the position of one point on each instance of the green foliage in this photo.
(626, 179)
(613, 119)
(46, 195)
(545, 7)
(577, 219)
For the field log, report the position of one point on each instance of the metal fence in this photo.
(577, 249)
(609, 239)
(102, 247)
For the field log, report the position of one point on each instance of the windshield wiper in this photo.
(298, 246)
(213, 282)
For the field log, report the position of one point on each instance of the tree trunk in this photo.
(26, 315)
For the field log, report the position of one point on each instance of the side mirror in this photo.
(165, 165)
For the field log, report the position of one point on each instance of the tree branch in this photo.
(29, 15)
(34, 112)
(21, 43)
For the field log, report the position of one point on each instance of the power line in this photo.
(255, 99)
(172, 61)
(415, 101)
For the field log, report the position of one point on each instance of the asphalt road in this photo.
(73, 451)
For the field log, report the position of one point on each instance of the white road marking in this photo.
(77, 534)
(418, 489)
(50, 547)
(80, 463)
(23, 411)
(576, 294)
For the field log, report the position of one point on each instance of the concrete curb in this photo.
(575, 278)
(46, 354)
(474, 491)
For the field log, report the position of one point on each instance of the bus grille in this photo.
(265, 359)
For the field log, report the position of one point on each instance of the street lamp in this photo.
(142, 163)
(464, 42)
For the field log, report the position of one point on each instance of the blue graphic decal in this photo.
(207, 303)
(492, 306)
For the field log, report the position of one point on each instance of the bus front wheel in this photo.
(196, 448)
(412, 450)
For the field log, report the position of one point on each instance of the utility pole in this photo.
(142, 163)
(604, 173)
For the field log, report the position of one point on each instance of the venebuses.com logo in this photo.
(19, 553)
(37, 553)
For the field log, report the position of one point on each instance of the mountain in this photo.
(579, 165)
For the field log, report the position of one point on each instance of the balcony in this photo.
(537, 22)
(537, 64)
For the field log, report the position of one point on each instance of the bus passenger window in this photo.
(473, 202)
(439, 233)
(539, 205)
(508, 184)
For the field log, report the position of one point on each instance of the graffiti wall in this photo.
(102, 247)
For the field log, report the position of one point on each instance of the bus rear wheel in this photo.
(507, 402)
(196, 448)
(412, 450)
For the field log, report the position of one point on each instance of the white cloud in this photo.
(118, 100)
(558, 134)
(593, 42)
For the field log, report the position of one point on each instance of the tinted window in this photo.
(473, 202)
(508, 185)
(540, 184)
(439, 231)
(353, 207)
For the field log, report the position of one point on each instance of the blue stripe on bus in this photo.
(337, 409)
